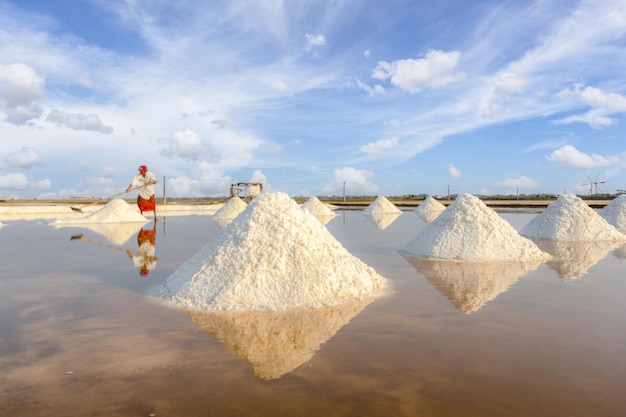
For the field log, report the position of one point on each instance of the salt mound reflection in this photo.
(274, 343)
(382, 220)
(572, 259)
(469, 285)
(116, 233)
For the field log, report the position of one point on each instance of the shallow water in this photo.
(80, 334)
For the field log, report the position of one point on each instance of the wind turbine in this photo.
(593, 185)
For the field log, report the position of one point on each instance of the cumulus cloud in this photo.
(184, 144)
(314, 40)
(20, 86)
(19, 181)
(79, 121)
(357, 182)
(570, 157)
(436, 69)
(602, 105)
(521, 182)
(380, 146)
(454, 172)
(25, 158)
(207, 182)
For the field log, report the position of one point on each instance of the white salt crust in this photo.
(468, 230)
(615, 213)
(570, 218)
(273, 256)
(381, 205)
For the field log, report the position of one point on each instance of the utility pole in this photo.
(164, 191)
(344, 191)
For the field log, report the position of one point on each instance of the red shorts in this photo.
(146, 205)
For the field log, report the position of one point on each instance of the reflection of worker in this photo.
(144, 259)
(144, 183)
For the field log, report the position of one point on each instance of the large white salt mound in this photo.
(315, 206)
(615, 213)
(273, 256)
(429, 209)
(570, 218)
(115, 211)
(231, 209)
(381, 205)
(468, 230)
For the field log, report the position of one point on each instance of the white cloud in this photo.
(509, 82)
(367, 54)
(570, 157)
(314, 40)
(602, 105)
(380, 146)
(357, 182)
(20, 86)
(25, 158)
(184, 144)
(19, 181)
(435, 70)
(79, 121)
(372, 91)
(521, 182)
(454, 172)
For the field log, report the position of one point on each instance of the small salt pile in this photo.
(468, 230)
(317, 208)
(231, 209)
(570, 218)
(615, 213)
(115, 211)
(429, 209)
(273, 256)
(381, 205)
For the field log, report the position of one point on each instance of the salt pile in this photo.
(115, 211)
(231, 209)
(468, 230)
(429, 209)
(570, 218)
(276, 342)
(116, 233)
(273, 256)
(615, 213)
(470, 285)
(381, 205)
(317, 208)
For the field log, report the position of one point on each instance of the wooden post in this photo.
(164, 191)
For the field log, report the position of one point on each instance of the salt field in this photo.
(82, 332)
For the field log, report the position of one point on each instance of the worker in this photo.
(144, 184)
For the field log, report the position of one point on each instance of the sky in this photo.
(313, 98)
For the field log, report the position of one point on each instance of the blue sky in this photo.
(388, 98)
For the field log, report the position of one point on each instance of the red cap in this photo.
(143, 168)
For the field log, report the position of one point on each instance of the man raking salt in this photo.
(144, 183)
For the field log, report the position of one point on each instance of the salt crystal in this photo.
(317, 208)
(468, 230)
(273, 256)
(570, 218)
